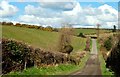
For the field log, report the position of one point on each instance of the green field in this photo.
(38, 38)
(88, 31)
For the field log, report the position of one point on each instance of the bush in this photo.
(113, 60)
(81, 35)
(48, 28)
(18, 56)
(108, 44)
(87, 48)
(114, 30)
(68, 49)
(14, 55)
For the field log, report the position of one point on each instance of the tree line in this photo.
(48, 28)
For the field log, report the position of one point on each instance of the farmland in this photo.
(45, 40)
(59, 38)
(49, 41)
(89, 31)
(38, 38)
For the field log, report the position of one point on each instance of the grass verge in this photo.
(105, 71)
(62, 69)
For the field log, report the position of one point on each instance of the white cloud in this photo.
(30, 9)
(58, 5)
(7, 10)
(41, 12)
(109, 14)
(76, 9)
(109, 8)
(56, 0)
(92, 11)
(29, 18)
(88, 16)
(41, 21)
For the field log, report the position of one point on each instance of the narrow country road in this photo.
(92, 66)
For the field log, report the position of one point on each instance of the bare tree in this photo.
(98, 32)
(65, 39)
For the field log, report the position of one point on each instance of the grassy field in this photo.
(38, 38)
(45, 40)
(88, 31)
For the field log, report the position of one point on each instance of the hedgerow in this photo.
(17, 56)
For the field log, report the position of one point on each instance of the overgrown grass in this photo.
(0, 31)
(105, 71)
(90, 45)
(51, 70)
(38, 38)
(62, 69)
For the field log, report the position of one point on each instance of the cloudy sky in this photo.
(55, 14)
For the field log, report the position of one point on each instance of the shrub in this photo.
(113, 61)
(108, 44)
(87, 48)
(18, 56)
(81, 35)
(114, 29)
(14, 54)
(68, 49)
(48, 28)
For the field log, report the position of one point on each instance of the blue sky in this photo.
(84, 14)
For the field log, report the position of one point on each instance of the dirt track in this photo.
(92, 66)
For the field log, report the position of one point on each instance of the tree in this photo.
(17, 24)
(65, 40)
(10, 23)
(3, 23)
(49, 28)
(98, 26)
(81, 35)
(114, 29)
